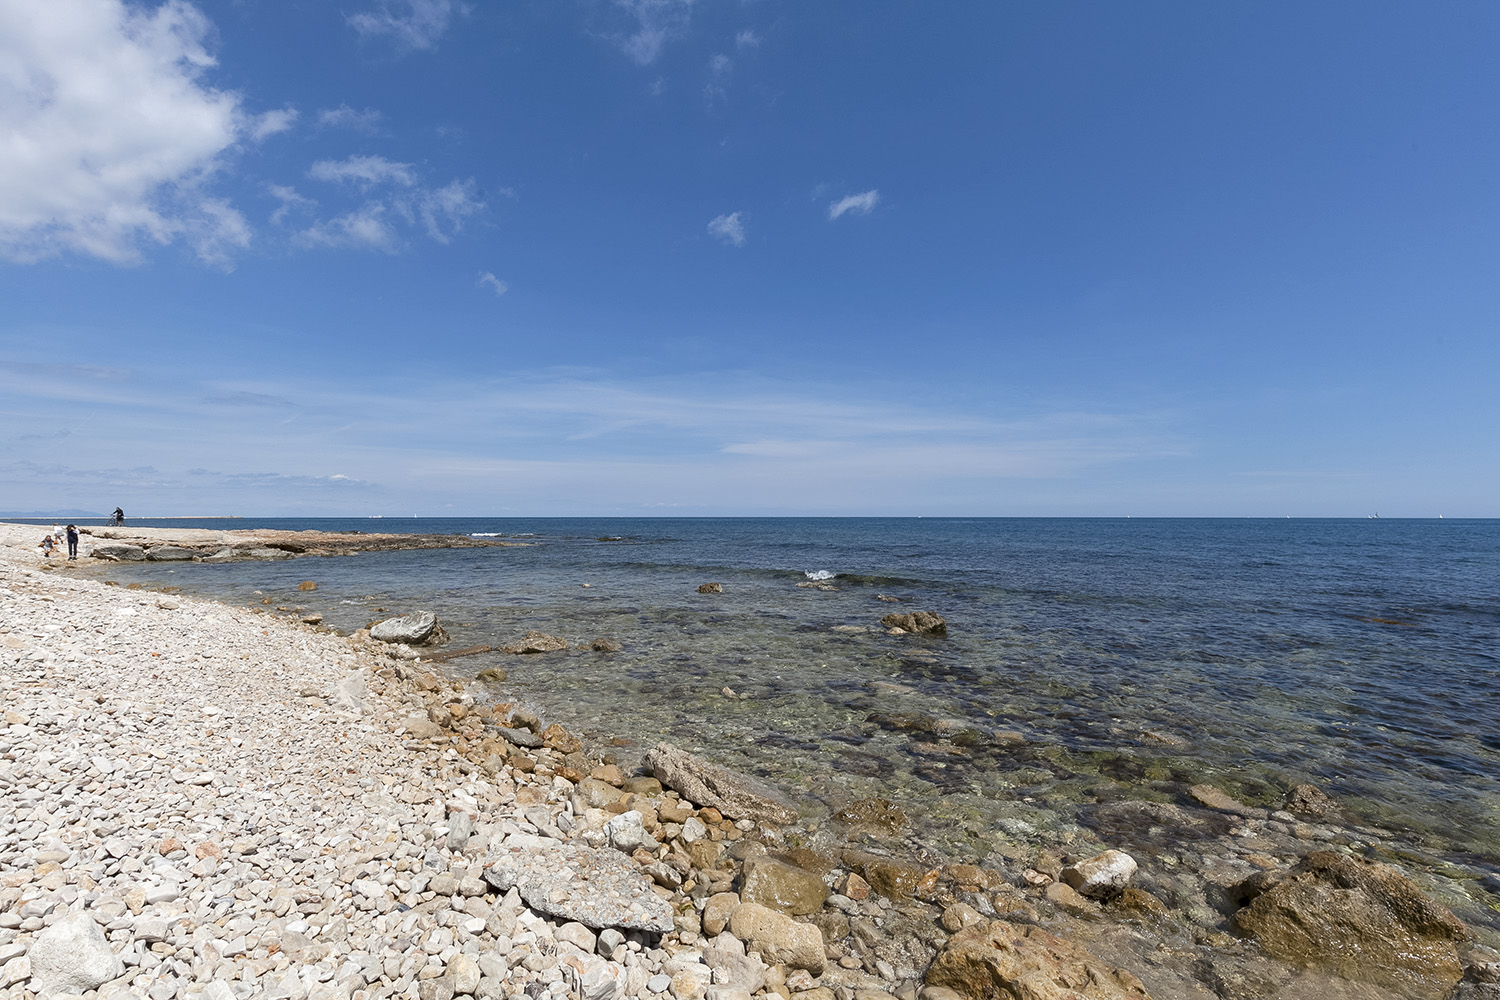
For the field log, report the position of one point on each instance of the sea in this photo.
(1084, 658)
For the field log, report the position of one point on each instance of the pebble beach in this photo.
(198, 800)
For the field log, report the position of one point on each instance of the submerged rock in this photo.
(1310, 800)
(1361, 920)
(536, 642)
(737, 796)
(710, 588)
(1101, 876)
(920, 622)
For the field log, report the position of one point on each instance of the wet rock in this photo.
(1361, 920)
(1004, 961)
(1101, 876)
(1310, 800)
(779, 938)
(1214, 798)
(892, 879)
(780, 886)
(1135, 901)
(72, 956)
(559, 739)
(411, 629)
(735, 795)
(710, 588)
(596, 888)
(919, 622)
(171, 553)
(536, 642)
(606, 645)
(877, 816)
(492, 675)
(307, 585)
(1068, 899)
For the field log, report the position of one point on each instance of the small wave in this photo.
(819, 574)
(486, 534)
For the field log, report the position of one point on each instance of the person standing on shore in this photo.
(72, 541)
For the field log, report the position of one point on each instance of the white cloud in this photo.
(488, 280)
(447, 208)
(343, 116)
(366, 228)
(657, 22)
(720, 65)
(859, 204)
(410, 24)
(747, 39)
(289, 199)
(728, 228)
(272, 122)
(366, 171)
(108, 133)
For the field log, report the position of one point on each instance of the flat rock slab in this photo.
(598, 889)
(412, 628)
(735, 795)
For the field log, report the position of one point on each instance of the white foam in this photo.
(819, 574)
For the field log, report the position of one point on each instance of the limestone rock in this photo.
(1101, 876)
(877, 816)
(119, 552)
(920, 622)
(412, 628)
(1310, 800)
(627, 832)
(735, 795)
(711, 588)
(1362, 920)
(171, 553)
(1004, 961)
(596, 888)
(779, 938)
(72, 956)
(780, 886)
(892, 879)
(717, 911)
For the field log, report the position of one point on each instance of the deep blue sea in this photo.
(1362, 655)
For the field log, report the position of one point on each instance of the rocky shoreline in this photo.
(202, 801)
(141, 544)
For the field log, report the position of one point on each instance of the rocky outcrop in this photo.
(1004, 961)
(735, 795)
(920, 622)
(596, 888)
(710, 588)
(171, 553)
(1310, 800)
(1362, 920)
(410, 629)
(119, 552)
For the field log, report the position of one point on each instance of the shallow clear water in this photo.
(1361, 655)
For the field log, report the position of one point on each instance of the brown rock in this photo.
(559, 739)
(1138, 902)
(710, 588)
(606, 645)
(1067, 899)
(1310, 800)
(878, 816)
(536, 642)
(780, 939)
(169, 845)
(717, 910)
(1004, 961)
(1361, 920)
(781, 886)
(891, 878)
(307, 585)
(920, 622)
(1213, 798)
(855, 887)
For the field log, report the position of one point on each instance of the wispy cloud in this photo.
(366, 228)
(488, 280)
(366, 171)
(120, 134)
(271, 123)
(289, 199)
(747, 39)
(859, 204)
(366, 121)
(728, 228)
(657, 22)
(408, 24)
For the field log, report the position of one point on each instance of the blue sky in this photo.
(717, 257)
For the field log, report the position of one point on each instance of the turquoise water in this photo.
(1362, 655)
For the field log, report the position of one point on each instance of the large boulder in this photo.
(1361, 920)
(779, 939)
(920, 622)
(72, 956)
(1102, 876)
(598, 889)
(1004, 961)
(735, 795)
(119, 552)
(411, 629)
(778, 885)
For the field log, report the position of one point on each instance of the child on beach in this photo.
(47, 547)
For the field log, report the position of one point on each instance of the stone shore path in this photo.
(198, 801)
